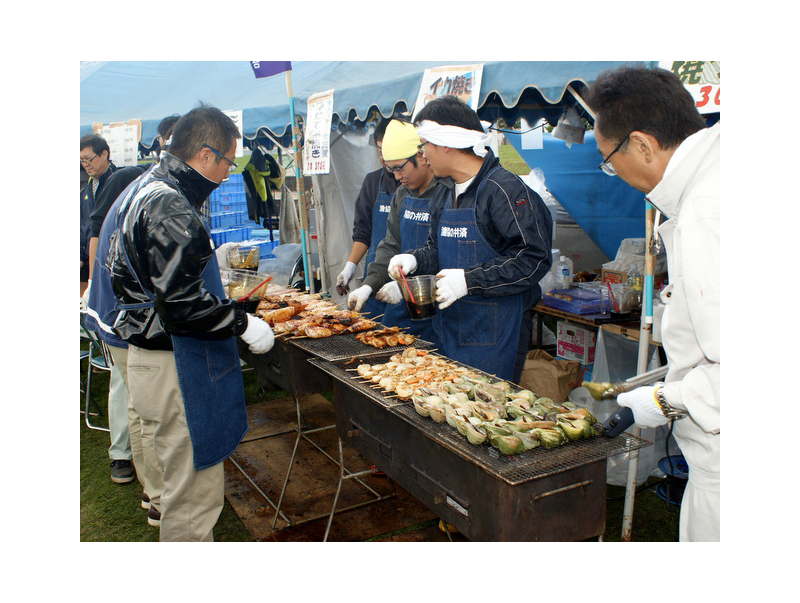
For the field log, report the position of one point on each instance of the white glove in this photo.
(344, 278)
(404, 262)
(356, 299)
(451, 284)
(646, 410)
(390, 293)
(222, 255)
(85, 297)
(258, 335)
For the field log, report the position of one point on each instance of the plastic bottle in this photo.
(636, 283)
(563, 273)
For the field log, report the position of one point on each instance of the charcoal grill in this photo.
(540, 495)
(288, 367)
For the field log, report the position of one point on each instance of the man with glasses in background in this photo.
(96, 162)
(650, 134)
(184, 375)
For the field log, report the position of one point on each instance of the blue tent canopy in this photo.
(606, 208)
(116, 91)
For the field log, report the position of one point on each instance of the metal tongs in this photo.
(608, 391)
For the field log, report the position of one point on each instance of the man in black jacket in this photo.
(184, 374)
(489, 244)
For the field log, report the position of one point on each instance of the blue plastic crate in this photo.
(234, 218)
(263, 233)
(234, 183)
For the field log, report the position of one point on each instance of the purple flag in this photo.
(268, 68)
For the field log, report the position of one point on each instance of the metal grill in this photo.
(516, 469)
(346, 347)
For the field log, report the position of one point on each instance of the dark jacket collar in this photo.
(192, 183)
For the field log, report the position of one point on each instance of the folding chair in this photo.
(99, 358)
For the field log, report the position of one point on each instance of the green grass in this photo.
(112, 512)
(510, 159)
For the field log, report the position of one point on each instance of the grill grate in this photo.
(346, 347)
(516, 469)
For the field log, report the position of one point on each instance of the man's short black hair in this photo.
(653, 101)
(203, 125)
(449, 111)
(166, 125)
(97, 142)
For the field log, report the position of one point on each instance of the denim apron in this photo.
(482, 332)
(380, 212)
(210, 379)
(414, 226)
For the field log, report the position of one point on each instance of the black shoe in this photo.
(154, 517)
(145, 501)
(122, 472)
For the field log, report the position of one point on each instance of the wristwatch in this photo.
(669, 411)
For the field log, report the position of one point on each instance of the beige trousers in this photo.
(191, 500)
(143, 451)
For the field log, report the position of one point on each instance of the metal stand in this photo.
(344, 474)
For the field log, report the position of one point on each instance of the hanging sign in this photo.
(463, 81)
(701, 79)
(123, 142)
(317, 142)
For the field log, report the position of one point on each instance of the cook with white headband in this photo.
(488, 243)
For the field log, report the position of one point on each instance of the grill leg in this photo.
(291, 462)
(338, 490)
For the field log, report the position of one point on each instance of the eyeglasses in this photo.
(606, 166)
(399, 168)
(218, 154)
(421, 146)
(89, 160)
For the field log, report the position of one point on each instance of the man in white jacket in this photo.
(649, 133)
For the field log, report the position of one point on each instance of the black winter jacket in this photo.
(513, 220)
(169, 246)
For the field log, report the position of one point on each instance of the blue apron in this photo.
(380, 212)
(210, 378)
(482, 332)
(414, 225)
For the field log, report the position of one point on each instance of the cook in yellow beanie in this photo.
(400, 141)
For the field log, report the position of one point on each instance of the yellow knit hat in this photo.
(400, 141)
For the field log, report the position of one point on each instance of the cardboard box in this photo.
(575, 343)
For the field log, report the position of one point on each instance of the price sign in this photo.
(701, 79)
(316, 148)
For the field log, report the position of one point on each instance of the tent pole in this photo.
(582, 102)
(301, 198)
(646, 327)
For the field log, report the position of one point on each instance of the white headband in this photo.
(455, 137)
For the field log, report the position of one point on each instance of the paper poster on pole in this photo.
(236, 116)
(701, 79)
(123, 141)
(316, 147)
(463, 81)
